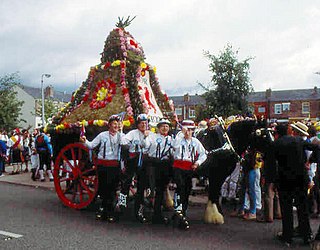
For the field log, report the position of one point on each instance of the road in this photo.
(42, 222)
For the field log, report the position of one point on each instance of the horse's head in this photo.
(212, 137)
(261, 138)
(240, 134)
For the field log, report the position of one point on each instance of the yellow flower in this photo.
(143, 65)
(100, 123)
(155, 69)
(102, 93)
(84, 123)
(126, 123)
(115, 63)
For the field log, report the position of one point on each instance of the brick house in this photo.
(286, 105)
(186, 105)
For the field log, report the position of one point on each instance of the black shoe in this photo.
(140, 217)
(308, 239)
(296, 232)
(111, 219)
(160, 219)
(286, 242)
(317, 238)
(184, 224)
(180, 220)
(101, 214)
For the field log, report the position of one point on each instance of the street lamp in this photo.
(42, 95)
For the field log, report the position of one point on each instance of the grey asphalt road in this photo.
(43, 222)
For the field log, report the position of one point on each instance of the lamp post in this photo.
(42, 95)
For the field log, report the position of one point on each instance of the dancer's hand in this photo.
(195, 166)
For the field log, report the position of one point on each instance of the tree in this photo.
(50, 109)
(230, 83)
(10, 106)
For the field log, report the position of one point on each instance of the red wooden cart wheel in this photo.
(75, 176)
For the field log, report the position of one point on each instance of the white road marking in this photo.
(13, 235)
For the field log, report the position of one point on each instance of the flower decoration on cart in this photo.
(122, 82)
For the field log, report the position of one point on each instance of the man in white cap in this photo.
(188, 154)
(136, 141)
(160, 158)
(108, 164)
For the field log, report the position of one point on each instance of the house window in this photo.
(277, 109)
(305, 107)
(192, 113)
(178, 111)
(286, 106)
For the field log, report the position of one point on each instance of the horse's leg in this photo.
(217, 176)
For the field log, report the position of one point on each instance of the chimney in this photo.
(48, 92)
(186, 98)
(315, 90)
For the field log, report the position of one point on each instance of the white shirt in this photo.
(136, 141)
(12, 140)
(109, 148)
(160, 146)
(189, 150)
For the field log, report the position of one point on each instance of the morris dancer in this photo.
(160, 156)
(136, 141)
(44, 149)
(14, 147)
(188, 155)
(108, 166)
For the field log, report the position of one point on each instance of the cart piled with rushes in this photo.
(124, 84)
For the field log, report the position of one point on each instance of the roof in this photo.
(36, 93)
(286, 95)
(193, 100)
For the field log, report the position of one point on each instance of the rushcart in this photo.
(123, 83)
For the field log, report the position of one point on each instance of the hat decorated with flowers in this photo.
(188, 124)
(163, 121)
(142, 117)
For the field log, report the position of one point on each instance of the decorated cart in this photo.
(123, 83)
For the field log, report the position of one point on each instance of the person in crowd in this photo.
(14, 150)
(34, 157)
(248, 184)
(314, 176)
(26, 149)
(271, 206)
(160, 159)
(4, 138)
(44, 149)
(135, 142)
(108, 164)
(188, 154)
(289, 154)
(3, 152)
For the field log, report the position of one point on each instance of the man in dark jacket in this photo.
(289, 154)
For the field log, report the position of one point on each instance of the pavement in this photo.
(24, 179)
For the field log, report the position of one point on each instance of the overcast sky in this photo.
(64, 38)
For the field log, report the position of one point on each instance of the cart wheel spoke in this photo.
(78, 186)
